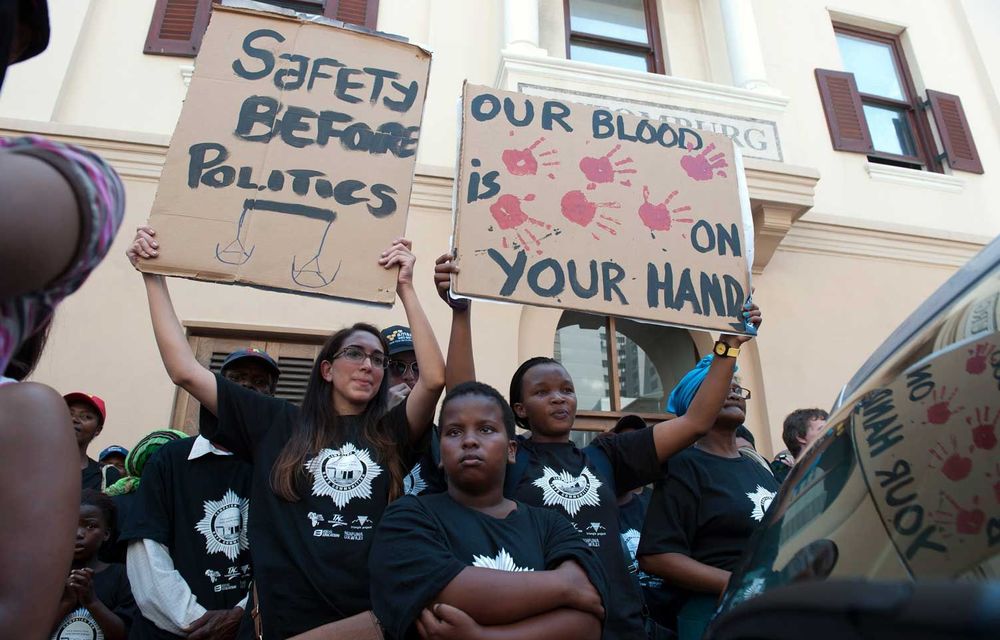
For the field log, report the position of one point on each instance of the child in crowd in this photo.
(89, 413)
(97, 601)
(703, 512)
(323, 474)
(469, 561)
(584, 484)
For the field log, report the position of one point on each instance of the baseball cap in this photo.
(252, 352)
(399, 338)
(112, 450)
(630, 421)
(94, 401)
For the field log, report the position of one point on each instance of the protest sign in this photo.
(293, 158)
(566, 205)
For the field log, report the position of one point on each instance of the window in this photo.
(294, 354)
(617, 33)
(873, 108)
(178, 25)
(648, 361)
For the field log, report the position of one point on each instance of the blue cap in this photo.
(399, 339)
(112, 450)
(257, 354)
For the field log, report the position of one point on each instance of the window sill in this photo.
(915, 178)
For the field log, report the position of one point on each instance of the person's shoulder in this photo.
(175, 449)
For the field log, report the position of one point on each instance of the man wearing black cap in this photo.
(188, 555)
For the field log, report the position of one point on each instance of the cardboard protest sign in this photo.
(927, 446)
(567, 205)
(293, 158)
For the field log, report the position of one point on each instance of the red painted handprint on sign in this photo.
(953, 465)
(984, 430)
(702, 167)
(578, 209)
(522, 162)
(599, 170)
(510, 216)
(941, 411)
(976, 363)
(966, 521)
(659, 217)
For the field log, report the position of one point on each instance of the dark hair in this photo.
(319, 425)
(484, 391)
(516, 392)
(796, 425)
(94, 498)
(743, 432)
(23, 362)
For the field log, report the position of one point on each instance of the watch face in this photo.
(720, 349)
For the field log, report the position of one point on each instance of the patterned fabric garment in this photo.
(101, 199)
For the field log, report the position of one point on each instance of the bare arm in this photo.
(39, 224)
(686, 572)
(183, 368)
(460, 366)
(448, 623)
(38, 451)
(422, 401)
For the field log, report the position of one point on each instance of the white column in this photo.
(520, 27)
(745, 58)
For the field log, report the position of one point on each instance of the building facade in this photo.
(870, 130)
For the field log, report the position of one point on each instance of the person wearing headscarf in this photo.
(136, 460)
(701, 515)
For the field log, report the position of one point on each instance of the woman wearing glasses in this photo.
(323, 474)
(703, 512)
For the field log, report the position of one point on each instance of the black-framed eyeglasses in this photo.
(399, 368)
(740, 391)
(356, 354)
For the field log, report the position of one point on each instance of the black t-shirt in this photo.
(426, 476)
(311, 556)
(112, 589)
(423, 542)
(562, 477)
(631, 517)
(706, 508)
(94, 476)
(780, 469)
(198, 509)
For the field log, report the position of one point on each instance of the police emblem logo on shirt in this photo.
(343, 474)
(503, 561)
(225, 525)
(79, 625)
(568, 491)
(761, 499)
(414, 483)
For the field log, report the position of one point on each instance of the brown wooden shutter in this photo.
(844, 113)
(359, 12)
(956, 136)
(177, 27)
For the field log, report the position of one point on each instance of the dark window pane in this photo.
(582, 438)
(651, 360)
(873, 66)
(618, 19)
(581, 346)
(890, 130)
(610, 57)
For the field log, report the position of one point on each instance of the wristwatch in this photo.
(724, 350)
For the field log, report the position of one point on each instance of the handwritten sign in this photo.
(927, 444)
(293, 158)
(561, 204)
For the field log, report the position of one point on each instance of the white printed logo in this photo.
(761, 499)
(225, 525)
(568, 491)
(631, 539)
(502, 562)
(343, 474)
(79, 625)
(414, 483)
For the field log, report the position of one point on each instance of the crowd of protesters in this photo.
(371, 516)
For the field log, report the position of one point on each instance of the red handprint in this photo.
(577, 208)
(601, 171)
(976, 363)
(509, 215)
(954, 466)
(984, 431)
(658, 217)
(701, 167)
(522, 162)
(941, 411)
(966, 521)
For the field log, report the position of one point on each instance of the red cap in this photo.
(96, 402)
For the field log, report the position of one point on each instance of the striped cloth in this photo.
(101, 198)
